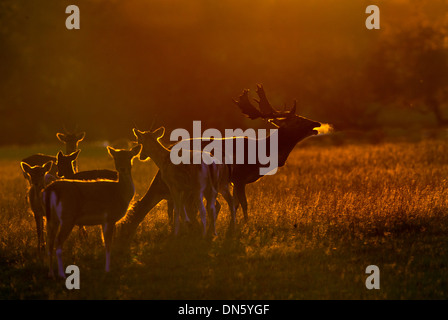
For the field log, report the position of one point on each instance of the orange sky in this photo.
(182, 60)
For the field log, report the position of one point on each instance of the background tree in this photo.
(409, 67)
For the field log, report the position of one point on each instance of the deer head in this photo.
(286, 120)
(124, 158)
(71, 140)
(36, 173)
(65, 163)
(148, 139)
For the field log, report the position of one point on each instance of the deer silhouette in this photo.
(71, 141)
(291, 130)
(83, 203)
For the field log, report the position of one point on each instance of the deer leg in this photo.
(39, 227)
(185, 208)
(157, 192)
(228, 197)
(209, 211)
(38, 212)
(177, 208)
(211, 214)
(191, 210)
(171, 211)
(51, 235)
(240, 192)
(217, 207)
(176, 220)
(82, 232)
(63, 234)
(108, 231)
(236, 202)
(203, 212)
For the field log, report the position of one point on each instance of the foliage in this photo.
(409, 66)
(180, 61)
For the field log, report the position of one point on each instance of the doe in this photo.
(101, 202)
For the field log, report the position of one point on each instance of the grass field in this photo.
(314, 228)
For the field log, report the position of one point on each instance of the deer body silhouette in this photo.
(38, 179)
(103, 202)
(188, 184)
(71, 141)
(291, 130)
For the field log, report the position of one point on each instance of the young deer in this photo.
(39, 178)
(188, 183)
(70, 140)
(101, 202)
(39, 159)
(66, 170)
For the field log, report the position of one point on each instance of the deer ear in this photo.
(111, 151)
(136, 150)
(25, 167)
(74, 154)
(62, 137)
(80, 136)
(47, 166)
(159, 132)
(137, 133)
(274, 123)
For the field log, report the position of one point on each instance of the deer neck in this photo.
(35, 192)
(126, 185)
(70, 172)
(66, 171)
(159, 154)
(70, 148)
(286, 142)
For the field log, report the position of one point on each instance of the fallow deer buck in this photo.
(37, 176)
(188, 184)
(71, 141)
(291, 130)
(66, 170)
(102, 202)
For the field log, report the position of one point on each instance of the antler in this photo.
(265, 106)
(266, 110)
(294, 108)
(246, 107)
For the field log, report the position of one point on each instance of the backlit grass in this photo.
(313, 229)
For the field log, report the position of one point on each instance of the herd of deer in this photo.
(66, 197)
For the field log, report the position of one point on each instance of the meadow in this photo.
(313, 229)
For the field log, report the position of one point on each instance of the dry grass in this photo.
(314, 227)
